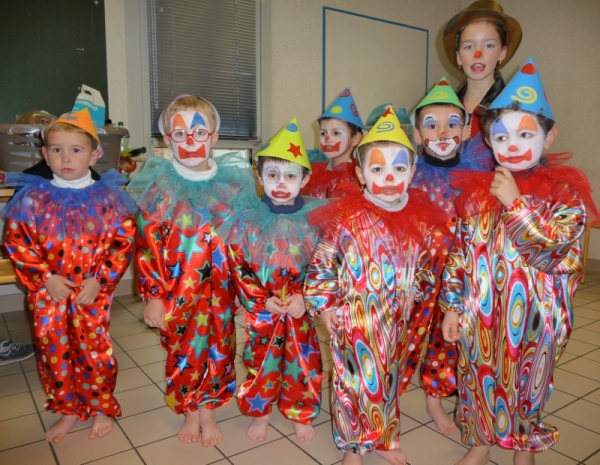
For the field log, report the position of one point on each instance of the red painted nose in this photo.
(478, 54)
(513, 148)
(190, 140)
(327, 138)
(389, 177)
(443, 133)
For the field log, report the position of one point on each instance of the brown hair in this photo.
(55, 127)
(418, 112)
(488, 117)
(354, 129)
(189, 103)
(364, 149)
(260, 162)
(498, 25)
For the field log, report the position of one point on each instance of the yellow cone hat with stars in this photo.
(286, 144)
(387, 128)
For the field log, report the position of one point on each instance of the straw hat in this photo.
(482, 10)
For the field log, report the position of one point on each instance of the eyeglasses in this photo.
(199, 135)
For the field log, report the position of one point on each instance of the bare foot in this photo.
(211, 434)
(395, 456)
(257, 431)
(477, 455)
(352, 459)
(101, 426)
(442, 420)
(303, 432)
(190, 430)
(523, 458)
(60, 429)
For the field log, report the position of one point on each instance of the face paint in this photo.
(282, 181)
(335, 137)
(441, 132)
(387, 172)
(517, 140)
(190, 153)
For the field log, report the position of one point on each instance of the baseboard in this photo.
(17, 302)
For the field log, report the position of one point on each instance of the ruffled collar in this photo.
(75, 184)
(192, 175)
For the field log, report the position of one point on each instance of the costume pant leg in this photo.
(75, 361)
(300, 398)
(263, 358)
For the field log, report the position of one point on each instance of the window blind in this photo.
(206, 48)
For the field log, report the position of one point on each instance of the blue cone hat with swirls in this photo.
(345, 109)
(526, 88)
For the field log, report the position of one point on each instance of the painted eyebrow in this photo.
(498, 128)
(401, 158)
(454, 117)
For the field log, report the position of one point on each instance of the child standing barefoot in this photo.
(70, 240)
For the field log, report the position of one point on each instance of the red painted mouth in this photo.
(527, 156)
(183, 153)
(478, 67)
(332, 148)
(388, 190)
(281, 194)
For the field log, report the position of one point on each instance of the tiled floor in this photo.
(147, 432)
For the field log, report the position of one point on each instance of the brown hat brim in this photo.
(512, 27)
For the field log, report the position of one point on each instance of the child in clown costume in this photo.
(269, 249)
(364, 275)
(439, 121)
(341, 130)
(182, 263)
(511, 275)
(70, 239)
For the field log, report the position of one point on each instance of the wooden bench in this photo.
(7, 273)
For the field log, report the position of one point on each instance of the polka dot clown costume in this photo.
(76, 233)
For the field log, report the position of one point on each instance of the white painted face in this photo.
(282, 181)
(335, 137)
(517, 140)
(387, 172)
(190, 152)
(441, 131)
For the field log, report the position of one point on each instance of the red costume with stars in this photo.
(269, 250)
(77, 234)
(182, 261)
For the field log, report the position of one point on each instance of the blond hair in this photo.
(55, 127)
(189, 103)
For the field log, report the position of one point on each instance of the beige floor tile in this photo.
(38, 453)
(594, 327)
(129, 457)
(592, 305)
(16, 315)
(22, 336)
(116, 348)
(124, 361)
(140, 400)
(550, 457)
(18, 324)
(128, 299)
(3, 328)
(586, 313)
(20, 431)
(11, 369)
(5, 335)
(77, 448)
(558, 400)
(29, 365)
(130, 379)
(442, 450)
(39, 396)
(33, 378)
(565, 357)
(151, 426)
(573, 384)
(162, 385)
(595, 355)
(234, 436)
(326, 399)
(579, 348)
(121, 317)
(583, 367)
(16, 405)
(285, 426)
(239, 351)
(586, 294)
(171, 450)
(412, 404)
(240, 373)
(128, 329)
(13, 384)
(229, 410)
(593, 460)
(594, 397)
(156, 371)
(148, 355)
(575, 442)
(584, 335)
(580, 322)
(577, 301)
(321, 447)
(582, 413)
(138, 341)
(272, 454)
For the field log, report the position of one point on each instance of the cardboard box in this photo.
(20, 146)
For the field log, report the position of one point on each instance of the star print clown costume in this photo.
(326, 178)
(364, 268)
(511, 275)
(270, 246)
(181, 260)
(438, 370)
(76, 233)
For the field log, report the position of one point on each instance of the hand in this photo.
(450, 326)
(239, 308)
(154, 314)
(504, 186)
(330, 320)
(295, 306)
(274, 305)
(410, 301)
(59, 287)
(89, 291)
